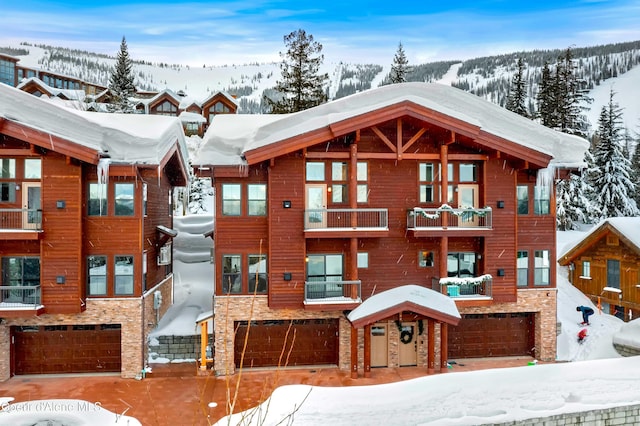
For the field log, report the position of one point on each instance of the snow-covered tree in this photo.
(546, 98)
(635, 169)
(302, 86)
(121, 86)
(610, 175)
(517, 99)
(571, 95)
(199, 191)
(572, 205)
(399, 67)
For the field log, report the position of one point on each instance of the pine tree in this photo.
(301, 87)
(570, 95)
(516, 101)
(610, 177)
(121, 85)
(572, 205)
(199, 191)
(635, 169)
(546, 98)
(399, 67)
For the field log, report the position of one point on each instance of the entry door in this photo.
(613, 273)
(316, 202)
(379, 345)
(468, 197)
(408, 347)
(31, 217)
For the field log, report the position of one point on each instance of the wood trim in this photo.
(384, 139)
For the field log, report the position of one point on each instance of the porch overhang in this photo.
(413, 298)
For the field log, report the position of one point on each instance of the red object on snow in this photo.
(582, 334)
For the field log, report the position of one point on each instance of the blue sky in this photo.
(239, 32)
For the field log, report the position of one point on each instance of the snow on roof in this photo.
(191, 117)
(629, 227)
(130, 138)
(247, 132)
(74, 95)
(407, 293)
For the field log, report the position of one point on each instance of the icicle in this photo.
(103, 179)
(545, 177)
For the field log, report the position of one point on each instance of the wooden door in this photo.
(468, 198)
(379, 345)
(408, 353)
(31, 217)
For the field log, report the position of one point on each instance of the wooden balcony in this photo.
(477, 288)
(20, 224)
(20, 301)
(335, 223)
(337, 294)
(427, 221)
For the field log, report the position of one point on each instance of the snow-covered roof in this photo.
(128, 138)
(627, 227)
(241, 133)
(191, 117)
(74, 95)
(407, 296)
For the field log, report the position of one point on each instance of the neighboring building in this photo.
(604, 266)
(408, 184)
(85, 235)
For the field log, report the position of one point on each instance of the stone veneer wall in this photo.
(153, 316)
(176, 348)
(624, 415)
(625, 350)
(128, 312)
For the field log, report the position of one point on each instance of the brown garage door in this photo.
(492, 335)
(315, 343)
(67, 349)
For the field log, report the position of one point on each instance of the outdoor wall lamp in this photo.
(286, 204)
(286, 276)
(501, 272)
(500, 204)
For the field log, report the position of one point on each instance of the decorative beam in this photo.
(384, 138)
(399, 138)
(414, 138)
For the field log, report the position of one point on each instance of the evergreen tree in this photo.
(572, 205)
(610, 177)
(301, 86)
(199, 191)
(121, 85)
(570, 93)
(517, 99)
(399, 67)
(546, 98)
(635, 170)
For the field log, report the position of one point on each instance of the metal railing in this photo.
(21, 219)
(444, 218)
(19, 296)
(461, 288)
(342, 219)
(332, 291)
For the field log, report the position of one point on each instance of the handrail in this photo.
(21, 219)
(346, 219)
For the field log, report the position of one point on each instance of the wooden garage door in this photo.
(315, 343)
(492, 335)
(67, 349)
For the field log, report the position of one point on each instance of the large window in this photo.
(461, 265)
(315, 171)
(20, 271)
(7, 72)
(339, 177)
(231, 199)
(362, 176)
(123, 276)
(541, 200)
(124, 199)
(426, 178)
(542, 267)
(97, 275)
(258, 273)
(97, 205)
(523, 268)
(167, 108)
(468, 173)
(324, 267)
(231, 274)
(32, 168)
(523, 199)
(257, 199)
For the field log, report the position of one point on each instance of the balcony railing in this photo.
(446, 217)
(20, 219)
(346, 219)
(464, 288)
(12, 297)
(320, 292)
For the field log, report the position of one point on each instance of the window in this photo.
(541, 200)
(468, 173)
(425, 259)
(7, 168)
(542, 267)
(461, 265)
(315, 171)
(426, 179)
(124, 199)
(144, 199)
(324, 267)
(231, 197)
(231, 274)
(258, 272)
(97, 275)
(7, 72)
(20, 271)
(339, 176)
(123, 276)
(257, 199)
(523, 199)
(32, 168)
(219, 107)
(586, 269)
(97, 205)
(363, 260)
(522, 263)
(362, 176)
(167, 108)
(7, 192)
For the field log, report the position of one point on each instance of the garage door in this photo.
(315, 343)
(492, 335)
(67, 349)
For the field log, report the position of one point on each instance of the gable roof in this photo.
(233, 137)
(410, 297)
(626, 228)
(89, 136)
(33, 83)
